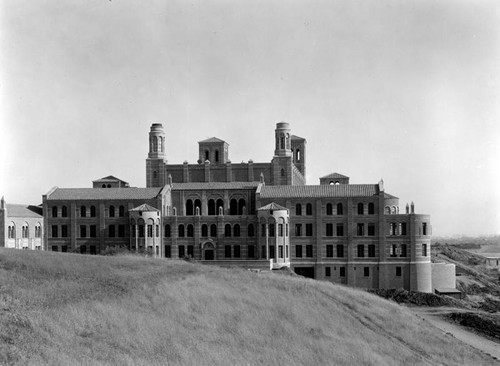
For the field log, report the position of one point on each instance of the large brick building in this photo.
(249, 214)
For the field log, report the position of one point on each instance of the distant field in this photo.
(66, 309)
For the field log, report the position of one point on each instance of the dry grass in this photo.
(64, 309)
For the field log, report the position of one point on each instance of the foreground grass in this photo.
(64, 309)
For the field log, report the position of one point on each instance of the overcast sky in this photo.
(407, 91)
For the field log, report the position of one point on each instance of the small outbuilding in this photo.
(453, 292)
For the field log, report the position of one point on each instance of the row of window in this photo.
(188, 231)
(366, 271)
(11, 231)
(89, 231)
(216, 207)
(112, 211)
(340, 209)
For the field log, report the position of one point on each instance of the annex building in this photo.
(249, 215)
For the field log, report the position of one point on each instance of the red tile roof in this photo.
(319, 191)
(213, 185)
(104, 193)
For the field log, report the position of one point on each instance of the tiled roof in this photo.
(212, 139)
(15, 210)
(272, 206)
(104, 193)
(319, 191)
(387, 195)
(144, 207)
(294, 137)
(334, 175)
(109, 178)
(213, 185)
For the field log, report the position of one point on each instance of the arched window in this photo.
(233, 207)
(236, 230)
(109, 185)
(64, 211)
(12, 231)
(54, 211)
(361, 208)
(329, 209)
(25, 230)
(38, 230)
(371, 209)
(393, 210)
(227, 231)
(251, 230)
(111, 211)
(220, 203)
(213, 230)
(211, 207)
(387, 210)
(197, 204)
(168, 232)
(181, 231)
(216, 156)
(282, 172)
(189, 208)
(155, 144)
(241, 206)
(298, 155)
(121, 211)
(298, 209)
(190, 231)
(309, 209)
(103, 186)
(340, 209)
(207, 155)
(92, 211)
(83, 211)
(160, 144)
(204, 230)
(155, 174)
(282, 141)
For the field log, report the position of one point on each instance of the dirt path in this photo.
(488, 346)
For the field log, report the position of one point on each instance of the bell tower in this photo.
(155, 163)
(283, 139)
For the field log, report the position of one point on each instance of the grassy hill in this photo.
(66, 309)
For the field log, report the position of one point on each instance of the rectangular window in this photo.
(340, 229)
(93, 231)
(342, 271)
(121, 231)
(141, 231)
(329, 229)
(227, 251)
(237, 251)
(329, 251)
(111, 231)
(64, 231)
(340, 251)
(271, 251)
(182, 252)
(251, 251)
(328, 272)
(263, 253)
(168, 251)
(403, 228)
(394, 250)
(157, 231)
(366, 271)
(93, 249)
(262, 230)
(54, 248)
(298, 251)
(190, 251)
(371, 250)
(360, 230)
(298, 229)
(403, 250)
(83, 231)
(309, 229)
(280, 229)
(371, 229)
(54, 232)
(424, 250)
(271, 230)
(309, 251)
(361, 251)
(280, 251)
(424, 228)
(64, 248)
(398, 271)
(150, 231)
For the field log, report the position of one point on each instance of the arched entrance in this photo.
(208, 251)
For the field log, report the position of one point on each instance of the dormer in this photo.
(109, 182)
(214, 150)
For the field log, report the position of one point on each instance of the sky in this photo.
(404, 91)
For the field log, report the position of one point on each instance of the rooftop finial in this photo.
(2, 202)
(261, 177)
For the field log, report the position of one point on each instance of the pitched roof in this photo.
(212, 139)
(17, 210)
(334, 175)
(144, 207)
(109, 178)
(213, 185)
(387, 195)
(319, 191)
(104, 193)
(294, 137)
(272, 206)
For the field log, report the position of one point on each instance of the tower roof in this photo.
(144, 207)
(334, 175)
(212, 140)
(272, 206)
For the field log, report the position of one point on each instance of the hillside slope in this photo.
(64, 309)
